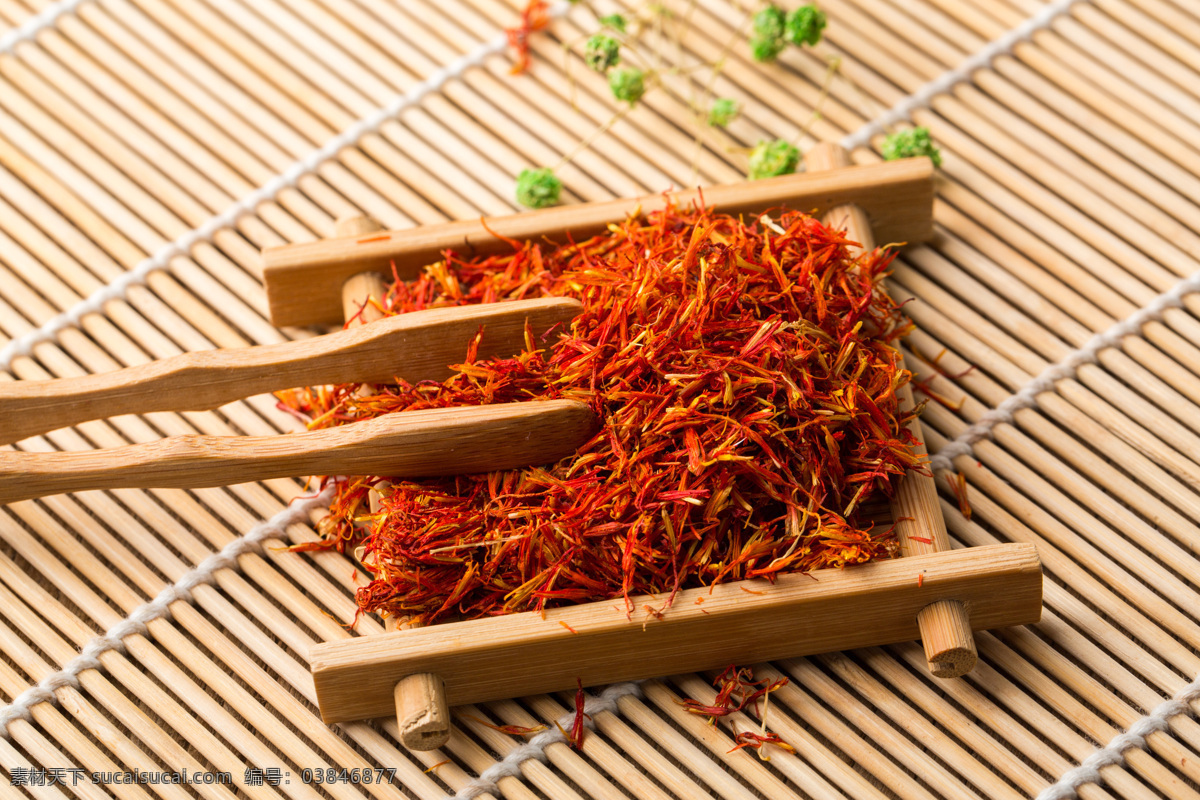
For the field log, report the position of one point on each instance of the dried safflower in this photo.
(534, 17)
(909, 143)
(538, 188)
(803, 25)
(602, 52)
(627, 84)
(768, 159)
(749, 396)
(723, 111)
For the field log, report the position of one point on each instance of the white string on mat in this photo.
(204, 572)
(46, 18)
(158, 608)
(923, 96)
(116, 289)
(1067, 787)
(510, 765)
(94, 303)
(964, 443)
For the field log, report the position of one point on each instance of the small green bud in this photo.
(614, 21)
(628, 84)
(538, 188)
(766, 40)
(769, 159)
(724, 110)
(804, 25)
(602, 52)
(911, 142)
(769, 23)
(765, 49)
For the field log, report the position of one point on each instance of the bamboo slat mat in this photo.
(168, 140)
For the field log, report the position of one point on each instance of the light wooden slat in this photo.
(791, 766)
(486, 659)
(992, 217)
(596, 749)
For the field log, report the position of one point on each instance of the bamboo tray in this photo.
(419, 673)
(1065, 207)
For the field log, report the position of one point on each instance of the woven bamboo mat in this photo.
(168, 140)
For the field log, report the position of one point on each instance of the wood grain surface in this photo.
(415, 347)
(301, 279)
(1066, 202)
(709, 628)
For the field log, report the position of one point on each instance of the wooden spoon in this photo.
(417, 346)
(442, 441)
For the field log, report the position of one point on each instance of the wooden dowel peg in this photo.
(362, 293)
(947, 638)
(421, 711)
(946, 624)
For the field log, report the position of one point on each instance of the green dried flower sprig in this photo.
(538, 188)
(602, 52)
(611, 48)
(911, 142)
(627, 84)
(804, 25)
(766, 39)
(768, 159)
(614, 21)
(773, 30)
(723, 111)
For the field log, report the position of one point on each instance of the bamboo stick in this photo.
(822, 718)
(298, 275)
(596, 748)
(791, 766)
(945, 625)
(421, 711)
(408, 445)
(1172, 122)
(414, 347)
(642, 714)
(532, 769)
(1058, 536)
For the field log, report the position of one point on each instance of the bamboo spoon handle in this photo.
(417, 346)
(442, 441)
(945, 625)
